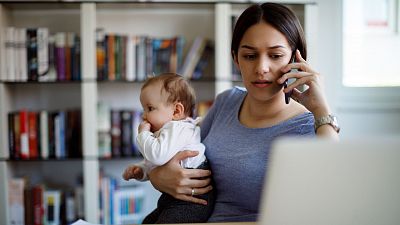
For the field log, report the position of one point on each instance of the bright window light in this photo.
(371, 43)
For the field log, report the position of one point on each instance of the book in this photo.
(73, 134)
(17, 136)
(44, 135)
(130, 58)
(115, 133)
(68, 215)
(193, 57)
(205, 65)
(28, 206)
(32, 51)
(42, 51)
(103, 129)
(37, 200)
(51, 74)
(76, 59)
(21, 51)
(60, 55)
(127, 205)
(10, 54)
(11, 135)
(110, 56)
(24, 134)
(126, 133)
(52, 133)
(141, 59)
(59, 134)
(69, 45)
(100, 54)
(52, 205)
(33, 135)
(16, 188)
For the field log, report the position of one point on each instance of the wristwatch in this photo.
(329, 119)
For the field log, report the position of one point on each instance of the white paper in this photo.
(82, 222)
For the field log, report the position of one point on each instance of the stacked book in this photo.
(117, 131)
(33, 54)
(133, 58)
(120, 204)
(38, 204)
(44, 134)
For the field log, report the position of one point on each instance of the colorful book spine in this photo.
(52, 207)
(10, 66)
(16, 188)
(126, 133)
(24, 134)
(100, 54)
(115, 133)
(22, 55)
(76, 59)
(111, 56)
(44, 135)
(42, 51)
(60, 56)
(33, 135)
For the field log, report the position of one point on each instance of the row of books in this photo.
(44, 134)
(33, 54)
(117, 131)
(39, 205)
(132, 58)
(120, 205)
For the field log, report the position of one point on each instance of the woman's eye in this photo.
(276, 56)
(250, 56)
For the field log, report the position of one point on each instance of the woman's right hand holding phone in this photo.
(178, 182)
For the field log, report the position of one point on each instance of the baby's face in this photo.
(155, 108)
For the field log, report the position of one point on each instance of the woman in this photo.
(242, 123)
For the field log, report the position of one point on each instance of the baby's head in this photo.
(166, 97)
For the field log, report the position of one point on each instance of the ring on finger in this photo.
(193, 192)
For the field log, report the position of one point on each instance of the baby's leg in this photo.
(152, 217)
(179, 211)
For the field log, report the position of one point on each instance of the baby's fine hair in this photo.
(177, 88)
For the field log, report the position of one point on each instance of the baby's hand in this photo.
(144, 126)
(133, 172)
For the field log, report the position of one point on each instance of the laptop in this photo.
(325, 182)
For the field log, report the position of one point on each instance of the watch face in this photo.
(334, 123)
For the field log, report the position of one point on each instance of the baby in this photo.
(168, 127)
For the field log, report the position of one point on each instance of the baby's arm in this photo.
(133, 172)
(159, 150)
(138, 171)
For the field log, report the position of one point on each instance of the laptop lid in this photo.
(316, 181)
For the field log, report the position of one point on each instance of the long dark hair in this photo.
(280, 17)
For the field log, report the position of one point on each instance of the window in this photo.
(371, 43)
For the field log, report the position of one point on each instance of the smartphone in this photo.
(290, 80)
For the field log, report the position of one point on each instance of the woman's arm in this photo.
(171, 178)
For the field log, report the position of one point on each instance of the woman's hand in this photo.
(171, 178)
(313, 98)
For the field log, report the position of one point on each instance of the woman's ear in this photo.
(179, 111)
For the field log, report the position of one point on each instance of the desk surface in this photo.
(226, 223)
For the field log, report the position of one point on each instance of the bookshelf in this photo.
(190, 19)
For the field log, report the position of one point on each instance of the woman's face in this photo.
(262, 52)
